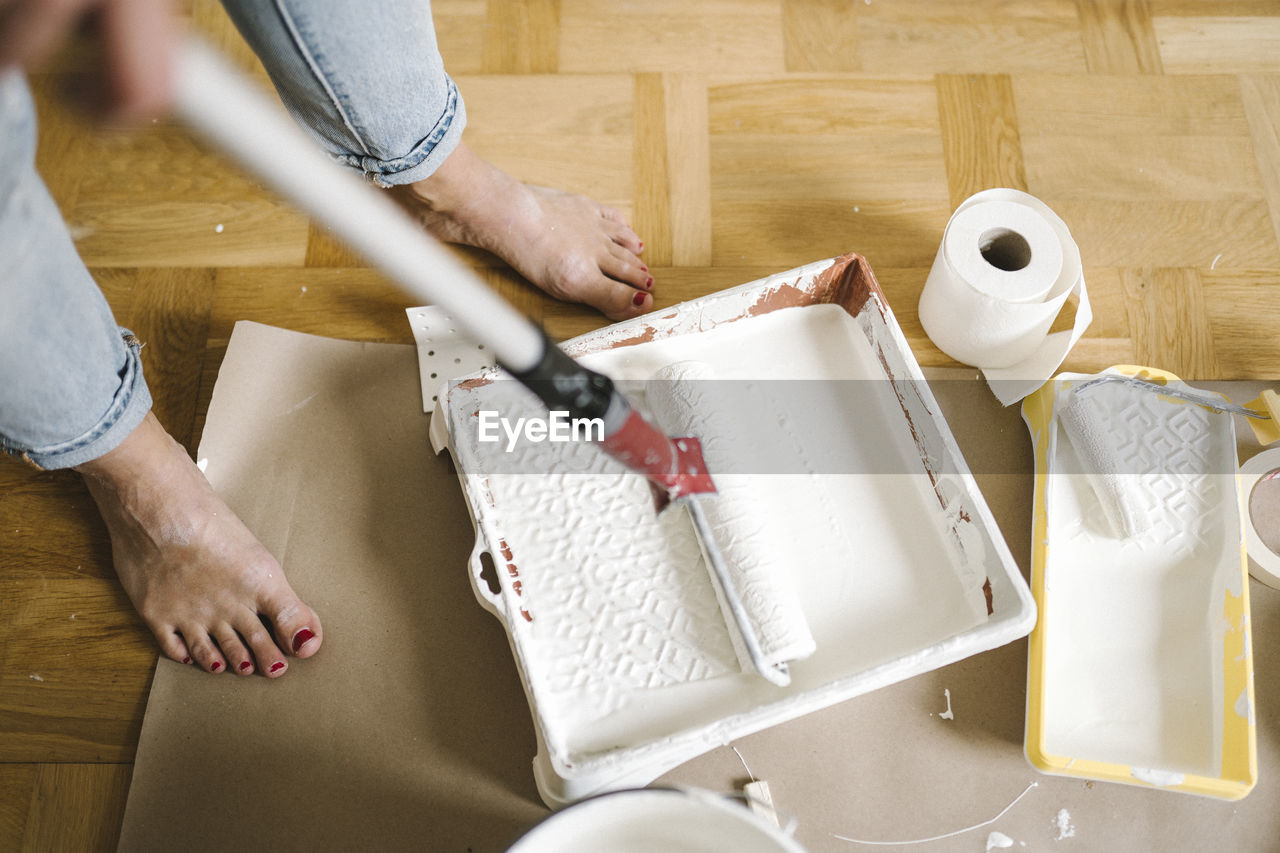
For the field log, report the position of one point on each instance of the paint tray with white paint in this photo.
(614, 623)
(1140, 669)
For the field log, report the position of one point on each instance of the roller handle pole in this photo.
(229, 110)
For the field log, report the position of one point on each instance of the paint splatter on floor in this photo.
(1063, 824)
(947, 714)
(998, 841)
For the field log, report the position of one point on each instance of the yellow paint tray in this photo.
(1140, 667)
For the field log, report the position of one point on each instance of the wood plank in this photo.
(884, 167)
(75, 663)
(787, 233)
(1244, 312)
(812, 104)
(986, 36)
(77, 807)
(651, 218)
(63, 140)
(713, 36)
(326, 250)
(820, 35)
(1170, 322)
(522, 37)
(688, 168)
(1261, 96)
(1144, 168)
(17, 783)
(170, 315)
(356, 304)
(980, 136)
(1186, 233)
(1118, 37)
(182, 233)
(1218, 44)
(1117, 105)
(460, 34)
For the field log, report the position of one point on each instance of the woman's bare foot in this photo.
(194, 571)
(572, 247)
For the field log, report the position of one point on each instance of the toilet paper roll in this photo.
(1264, 564)
(686, 401)
(1006, 266)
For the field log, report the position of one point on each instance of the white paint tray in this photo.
(1140, 670)
(613, 622)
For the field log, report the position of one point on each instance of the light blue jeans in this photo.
(363, 76)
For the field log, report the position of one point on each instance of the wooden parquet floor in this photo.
(742, 137)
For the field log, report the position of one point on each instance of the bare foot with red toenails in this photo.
(572, 247)
(201, 581)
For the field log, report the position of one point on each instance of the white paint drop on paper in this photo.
(947, 714)
(217, 229)
(998, 841)
(1063, 823)
(304, 288)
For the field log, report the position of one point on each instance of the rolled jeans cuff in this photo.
(129, 406)
(426, 156)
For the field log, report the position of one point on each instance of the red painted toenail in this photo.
(215, 667)
(300, 639)
(638, 300)
(277, 666)
(644, 268)
(649, 282)
(244, 664)
(186, 660)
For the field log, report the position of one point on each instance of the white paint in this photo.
(1159, 778)
(684, 821)
(998, 841)
(934, 838)
(622, 649)
(1216, 258)
(1133, 635)
(1062, 822)
(217, 229)
(34, 677)
(594, 683)
(1243, 707)
(304, 288)
(947, 714)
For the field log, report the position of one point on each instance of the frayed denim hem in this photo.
(130, 406)
(426, 156)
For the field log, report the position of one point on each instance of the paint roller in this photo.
(684, 398)
(223, 106)
(1084, 416)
